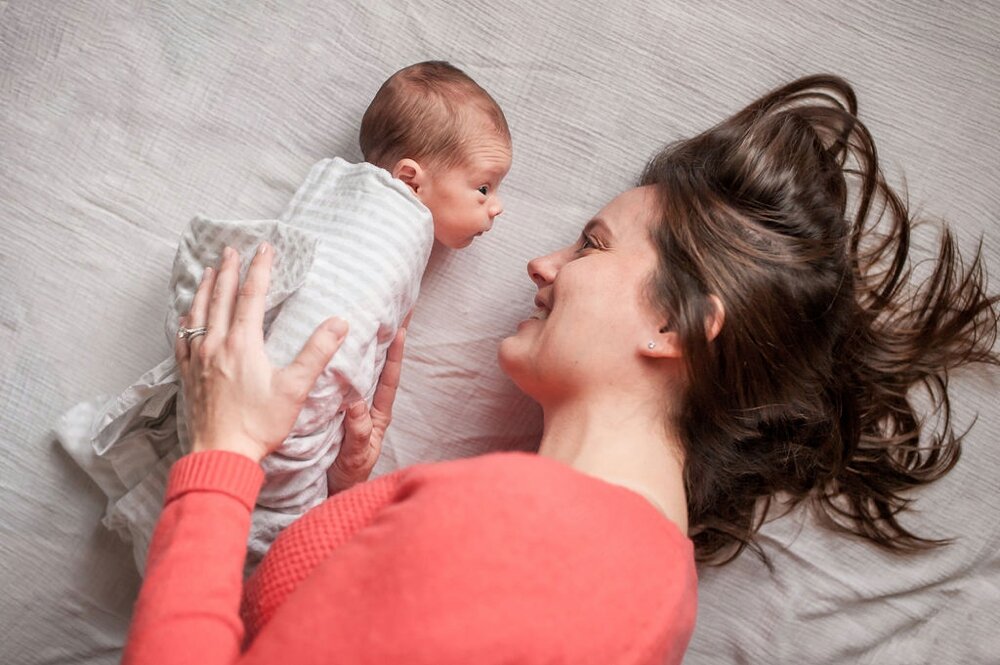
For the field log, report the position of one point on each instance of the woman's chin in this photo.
(505, 351)
(517, 358)
(512, 357)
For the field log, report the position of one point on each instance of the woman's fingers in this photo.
(357, 455)
(220, 311)
(388, 381)
(249, 316)
(182, 350)
(198, 314)
(298, 378)
(196, 317)
(364, 430)
(357, 430)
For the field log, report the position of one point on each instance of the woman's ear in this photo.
(666, 342)
(410, 173)
(715, 320)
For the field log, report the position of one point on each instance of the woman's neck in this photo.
(623, 443)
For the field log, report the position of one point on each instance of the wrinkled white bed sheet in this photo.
(119, 121)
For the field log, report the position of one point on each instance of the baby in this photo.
(435, 130)
(353, 243)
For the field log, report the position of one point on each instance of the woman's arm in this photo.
(239, 409)
(188, 608)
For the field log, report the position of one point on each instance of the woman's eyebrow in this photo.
(598, 223)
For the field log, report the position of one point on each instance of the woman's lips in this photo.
(540, 313)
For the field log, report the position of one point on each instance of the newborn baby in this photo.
(353, 243)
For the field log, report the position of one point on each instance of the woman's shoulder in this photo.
(519, 475)
(526, 493)
(557, 540)
(509, 555)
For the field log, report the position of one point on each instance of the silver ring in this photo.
(190, 333)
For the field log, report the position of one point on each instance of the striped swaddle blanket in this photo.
(352, 243)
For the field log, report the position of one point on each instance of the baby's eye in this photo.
(484, 190)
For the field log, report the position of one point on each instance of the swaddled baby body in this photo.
(353, 243)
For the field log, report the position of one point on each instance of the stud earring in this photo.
(651, 346)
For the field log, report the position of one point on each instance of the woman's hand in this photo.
(364, 429)
(236, 400)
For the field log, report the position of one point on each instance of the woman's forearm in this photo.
(188, 607)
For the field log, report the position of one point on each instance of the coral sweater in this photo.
(505, 558)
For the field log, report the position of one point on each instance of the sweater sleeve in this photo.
(188, 607)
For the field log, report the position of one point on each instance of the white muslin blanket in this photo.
(352, 243)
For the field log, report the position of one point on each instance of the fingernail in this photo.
(338, 327)
(205, 275)
(228, 253)
(263, 249)
(357, 409)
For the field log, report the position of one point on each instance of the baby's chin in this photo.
(465, 242)
(457, 243)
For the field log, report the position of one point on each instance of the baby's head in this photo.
(434, 128)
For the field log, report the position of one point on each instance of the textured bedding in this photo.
(120, 121)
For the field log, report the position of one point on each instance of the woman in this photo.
(729, 330)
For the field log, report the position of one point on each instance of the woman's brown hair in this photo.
(783, 213)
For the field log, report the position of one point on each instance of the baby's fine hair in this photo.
(431, 111)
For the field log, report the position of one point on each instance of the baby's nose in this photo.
(496, 208)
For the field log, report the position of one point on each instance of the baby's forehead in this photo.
(481, 145)
(488, 143)
(487, 152)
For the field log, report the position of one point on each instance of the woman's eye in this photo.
(586, 242)
(484, 190)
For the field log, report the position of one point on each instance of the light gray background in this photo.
(120, 120)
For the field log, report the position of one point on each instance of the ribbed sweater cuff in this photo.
(216, 471)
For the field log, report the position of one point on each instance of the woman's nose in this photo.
(543, 269)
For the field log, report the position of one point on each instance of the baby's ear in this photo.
(410, 173)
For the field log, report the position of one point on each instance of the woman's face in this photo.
(594, 319)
